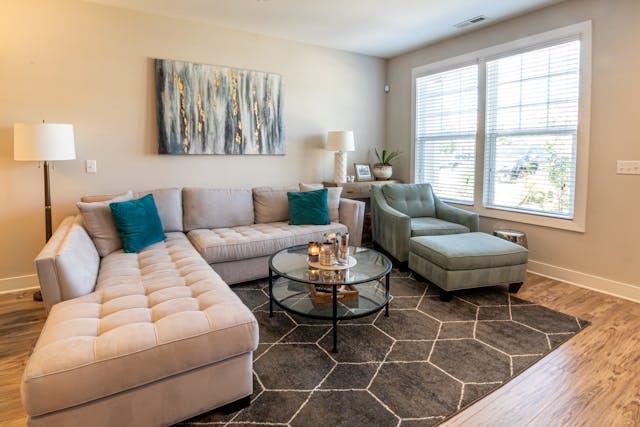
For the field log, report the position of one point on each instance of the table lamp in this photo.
(43, 142)
(340, 142)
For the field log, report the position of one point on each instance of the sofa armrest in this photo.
(471, 220)
(68, 264)
(391, 228)
(352, 215)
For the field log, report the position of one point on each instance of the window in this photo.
(505, 129)
(446, 122)
(531, 130)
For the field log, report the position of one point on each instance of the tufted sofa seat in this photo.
(256, 240)
(153, 315)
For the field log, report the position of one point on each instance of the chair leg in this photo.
(446, 296)
(514, 287)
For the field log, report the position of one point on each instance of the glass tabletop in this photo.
(291, 263)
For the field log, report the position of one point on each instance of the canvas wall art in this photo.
(206, 109)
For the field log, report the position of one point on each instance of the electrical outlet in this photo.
(92, 166)
(628, 167)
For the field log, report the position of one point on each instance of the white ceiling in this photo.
(383, 28)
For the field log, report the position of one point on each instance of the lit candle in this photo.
(314, 251)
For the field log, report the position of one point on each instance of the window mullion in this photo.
(480, 133)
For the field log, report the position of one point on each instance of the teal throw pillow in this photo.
(309, 207)
(138, 223)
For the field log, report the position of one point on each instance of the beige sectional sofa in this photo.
(155, 337)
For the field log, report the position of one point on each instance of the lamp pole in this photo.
(47, 205)
(44, 142)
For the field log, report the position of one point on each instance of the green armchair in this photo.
(402, 211)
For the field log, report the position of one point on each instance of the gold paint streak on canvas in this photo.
(201, 112)
(238, 139)
(234, 91)
(183, 113)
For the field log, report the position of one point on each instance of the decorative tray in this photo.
(321, 295)
(352, 262)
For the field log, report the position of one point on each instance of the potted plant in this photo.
(383, 169)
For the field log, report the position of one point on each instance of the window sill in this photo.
(576, 224)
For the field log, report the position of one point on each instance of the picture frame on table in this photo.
(363, 172)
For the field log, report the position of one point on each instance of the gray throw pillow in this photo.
(97, 219)
(333, 199)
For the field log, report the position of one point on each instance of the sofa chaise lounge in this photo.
(155, 337)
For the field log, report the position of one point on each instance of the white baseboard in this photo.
(588, 281)
(18, 283)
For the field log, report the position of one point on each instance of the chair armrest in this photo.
(352, 215)
(471, 220)
(391, 228)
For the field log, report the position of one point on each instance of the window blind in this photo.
(531, 130)
(446, 122)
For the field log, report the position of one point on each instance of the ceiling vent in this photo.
(470, 21)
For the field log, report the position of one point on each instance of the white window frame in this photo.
(582, 31)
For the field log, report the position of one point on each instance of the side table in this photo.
(514, 236)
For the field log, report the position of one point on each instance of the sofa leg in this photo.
(514, 287)
(403, 266)
(235, 406)
(446, 296)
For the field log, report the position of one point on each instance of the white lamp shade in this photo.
(43, 141)
(341, 140)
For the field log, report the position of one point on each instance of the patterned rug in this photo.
(424, 363)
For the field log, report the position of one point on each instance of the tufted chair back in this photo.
(414, 200)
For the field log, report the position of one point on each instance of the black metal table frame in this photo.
(334, 318)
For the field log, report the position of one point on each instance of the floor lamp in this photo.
(43, 142)
(340, 142)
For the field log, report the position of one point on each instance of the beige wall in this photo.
(610, 247)
(74, 62)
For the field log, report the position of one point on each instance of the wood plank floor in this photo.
(592, 380)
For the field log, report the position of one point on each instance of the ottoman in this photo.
(468, 260)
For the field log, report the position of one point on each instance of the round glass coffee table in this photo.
(330, 294)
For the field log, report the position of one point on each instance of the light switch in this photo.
(628, 167)
(92, 166)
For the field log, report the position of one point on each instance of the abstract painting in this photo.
(206, 109)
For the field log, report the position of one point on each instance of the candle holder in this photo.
(314, 252)
(314, 274)
(327, 256)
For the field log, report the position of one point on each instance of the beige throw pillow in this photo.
(98, 221)
(333, 199)
(271, 204)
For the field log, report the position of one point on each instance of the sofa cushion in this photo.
(308, 207)
(427, 226)
(237, 243)
(468, 251)
(415, 200)
(154, 314)
(333, 199)
(216, 208)
(99, 223)
(271, 204)
(168, 201)
(138, 223)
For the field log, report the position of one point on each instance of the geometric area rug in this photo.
(421, 365)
